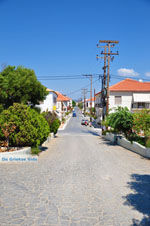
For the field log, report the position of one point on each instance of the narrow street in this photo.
(79, 180)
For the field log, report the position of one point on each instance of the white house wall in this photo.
(48, 103)
(127, 98)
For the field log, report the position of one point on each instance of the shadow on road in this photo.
(92, 132)
(43, 148)
(140, 200)
(108, 142)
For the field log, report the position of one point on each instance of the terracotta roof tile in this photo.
(90, 99)
(129, 85)
(61, 97)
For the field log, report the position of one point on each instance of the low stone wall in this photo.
(22, 155)
(23, 151)
(111, 137)
(134, 147)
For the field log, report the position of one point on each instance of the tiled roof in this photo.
(129, 85)
(97, 93)
(62, 97)
(90, 99)
(50, 90)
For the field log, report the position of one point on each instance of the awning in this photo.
(141, 97)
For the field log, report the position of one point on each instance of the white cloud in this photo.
(127, 72)
(147, 74)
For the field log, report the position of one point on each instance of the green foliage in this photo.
(63, 119)
(142, 122)
(73, 103)
(54, 126)
(31, 128)
(80, 105)
(147, 143)
(67, 113)
(93, 110)
(121, 121)
(20, 85)
(52, 120)
(35, 151)
(1, 108)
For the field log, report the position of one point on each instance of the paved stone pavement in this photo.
(80, 180)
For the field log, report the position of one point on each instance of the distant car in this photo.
(84, 122)
(74, 114)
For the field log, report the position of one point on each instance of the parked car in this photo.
(84, 122)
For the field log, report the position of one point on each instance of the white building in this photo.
(49, 104)
(88, 103)
(133, 94)
(63, 104)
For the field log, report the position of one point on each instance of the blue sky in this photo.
(59, 37)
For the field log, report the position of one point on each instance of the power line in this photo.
(78, 90)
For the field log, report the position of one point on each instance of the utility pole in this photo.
(84, 96)
(91, 77)
(108, 56)
(94, 103)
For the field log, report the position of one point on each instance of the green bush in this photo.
(121, 121)
(142, 122)
(52, 120)
(35, 151)
(31, 127)
(63, 119)
(147, 142)
(55, 125)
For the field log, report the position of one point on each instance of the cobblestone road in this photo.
(80, 180)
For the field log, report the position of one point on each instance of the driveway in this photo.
(80, 180)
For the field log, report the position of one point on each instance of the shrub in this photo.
(63, 119)
(142, 122)
(147, 143)
(52, 120)
(31, 128)
(35, 151)
(121, 121)
(55, 125)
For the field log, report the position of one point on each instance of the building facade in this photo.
(50, 102)
(133, 94)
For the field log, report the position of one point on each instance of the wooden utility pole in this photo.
(91, 78)
(84, 97)
(94, 102)
(108, 55)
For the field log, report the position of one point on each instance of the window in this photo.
(118, 100)
(141, 105)
(54, 99)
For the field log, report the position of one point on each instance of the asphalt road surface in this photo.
(79, 180)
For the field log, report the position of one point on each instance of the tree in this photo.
(22, 126)
(121, 121)
(20, 85)
(73, 103)
(80, 105)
